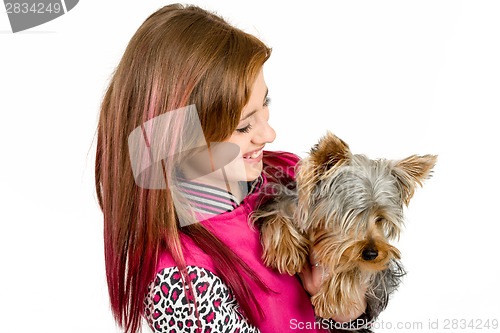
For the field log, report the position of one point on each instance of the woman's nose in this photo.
(265, 135)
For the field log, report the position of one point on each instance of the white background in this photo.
(391, 78)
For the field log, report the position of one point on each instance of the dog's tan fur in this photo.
(309, 218)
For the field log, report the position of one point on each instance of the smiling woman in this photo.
(207, 275)
(253, 130)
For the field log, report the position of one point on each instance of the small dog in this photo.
(345, 208)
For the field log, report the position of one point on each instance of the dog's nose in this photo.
(369, 254)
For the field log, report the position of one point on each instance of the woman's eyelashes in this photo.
(247, 128)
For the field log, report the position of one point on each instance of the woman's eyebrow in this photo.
(252, 112)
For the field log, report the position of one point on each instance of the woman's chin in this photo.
(253, 171)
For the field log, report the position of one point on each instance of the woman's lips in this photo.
(254, 155)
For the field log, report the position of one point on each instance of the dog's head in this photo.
(351, 205)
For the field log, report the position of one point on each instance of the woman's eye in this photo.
(267, 101)
(245, 129)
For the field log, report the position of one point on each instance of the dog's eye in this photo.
(379, 219)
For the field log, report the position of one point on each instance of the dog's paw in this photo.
(285, 248)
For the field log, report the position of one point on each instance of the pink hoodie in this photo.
(289, 310)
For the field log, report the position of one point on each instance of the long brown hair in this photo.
(181, 55)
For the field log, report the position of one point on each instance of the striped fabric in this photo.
(207, 199)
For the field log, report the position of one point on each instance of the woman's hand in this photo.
(313, 275)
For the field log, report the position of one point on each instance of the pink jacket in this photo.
(289, 310)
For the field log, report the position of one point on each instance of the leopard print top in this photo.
(167, 308)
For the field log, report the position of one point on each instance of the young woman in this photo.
(180, 167)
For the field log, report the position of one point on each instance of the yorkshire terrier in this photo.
(345, 209)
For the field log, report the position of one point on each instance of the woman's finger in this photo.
(306, 277)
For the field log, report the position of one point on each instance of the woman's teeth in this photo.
(256, 154)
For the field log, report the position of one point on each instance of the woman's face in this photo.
(224, 164)
(253, 131)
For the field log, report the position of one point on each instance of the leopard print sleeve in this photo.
(167, 310)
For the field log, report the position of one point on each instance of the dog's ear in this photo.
(325, 156)
(329, 152)
(412, 171)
